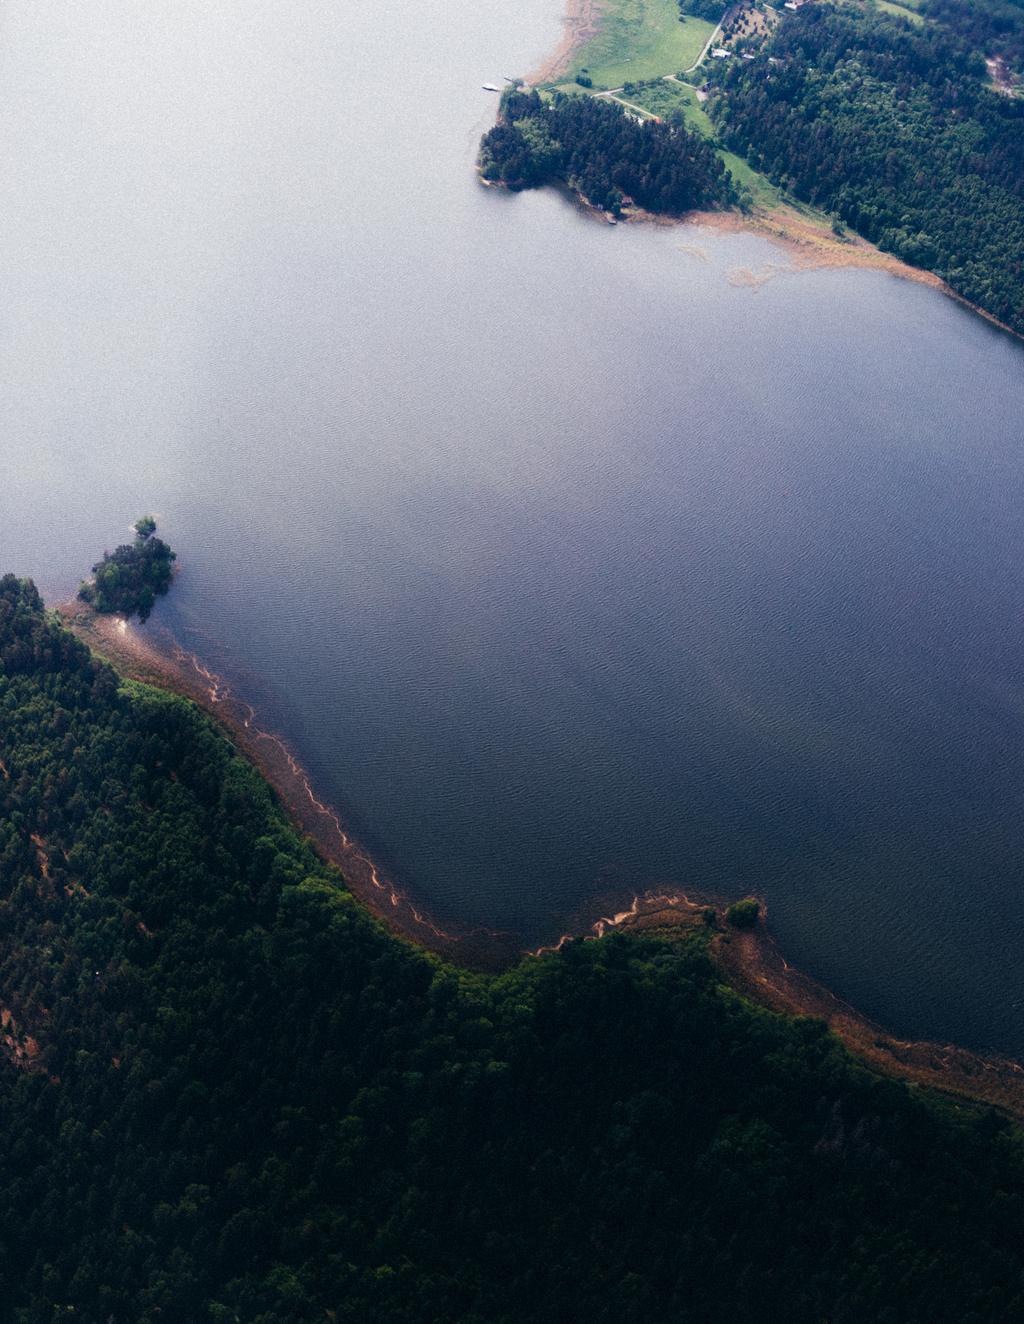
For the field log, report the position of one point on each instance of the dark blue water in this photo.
(568, 565)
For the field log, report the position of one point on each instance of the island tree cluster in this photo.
(603, 154)
(129, 579)
(228, 1094)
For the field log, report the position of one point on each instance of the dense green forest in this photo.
(603, 154)
(227, 1094)
(130, 578)
(893, 128)
(992, 27)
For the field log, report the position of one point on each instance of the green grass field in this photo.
(662, 98)
(641, 39)
(900, 11)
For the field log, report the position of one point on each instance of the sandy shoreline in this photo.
(580, 22)
(813, 247)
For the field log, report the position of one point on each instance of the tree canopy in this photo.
(130, 578)
(603, 154)
(228, 1094)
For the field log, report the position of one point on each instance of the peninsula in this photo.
(840, 124)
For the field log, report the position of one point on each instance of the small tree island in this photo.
(744, 914)
(129, 579)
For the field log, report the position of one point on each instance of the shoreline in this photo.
(752, 965)
(814, 247)
(748, 961)
(140, 657)
(811, 246)
(580, 22)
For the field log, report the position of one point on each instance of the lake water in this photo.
(567, 563)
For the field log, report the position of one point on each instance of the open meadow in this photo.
(640, 39)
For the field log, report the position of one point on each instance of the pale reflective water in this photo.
(567, 564)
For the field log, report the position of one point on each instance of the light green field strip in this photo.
(641, 39)
(900, 11)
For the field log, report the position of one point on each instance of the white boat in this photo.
(489, 87)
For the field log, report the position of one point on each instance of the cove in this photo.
(567, 562)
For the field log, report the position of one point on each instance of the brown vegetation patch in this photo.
(753, 280)
(811, 244)
(42, 858)
(19, 1048)
(747, 27)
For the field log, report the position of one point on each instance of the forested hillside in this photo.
(603, 154)
(895, 129)
(226, 1093)
(991, 27)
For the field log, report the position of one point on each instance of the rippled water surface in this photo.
(568, 563)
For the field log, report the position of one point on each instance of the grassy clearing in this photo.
(663, 97)
(641, 39)
(763, 192)
(900, 11)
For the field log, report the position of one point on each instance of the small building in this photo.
(719, 53)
